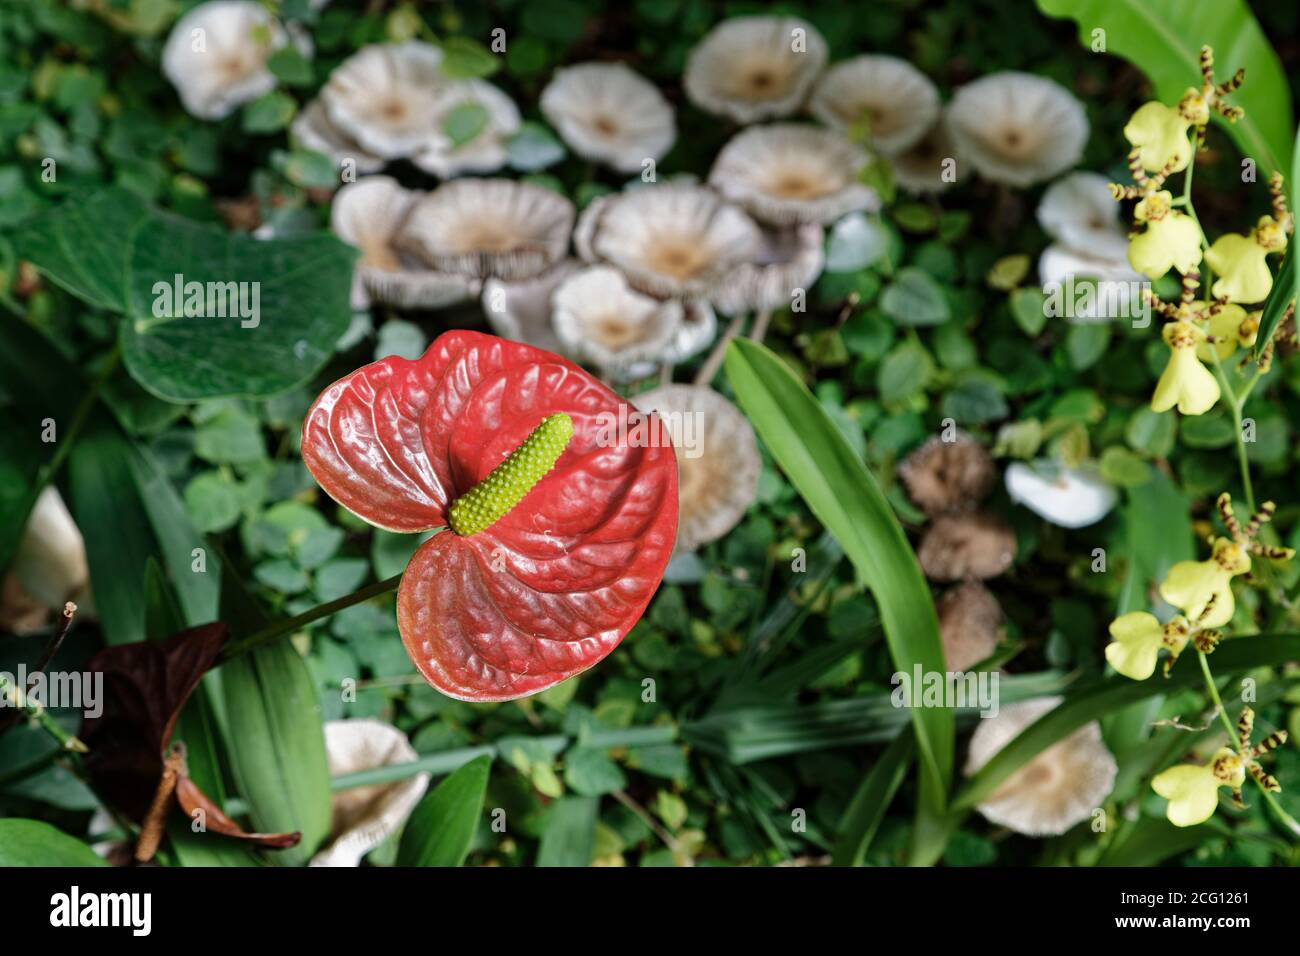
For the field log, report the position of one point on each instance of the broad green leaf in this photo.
(915, 298)
(464, 58)
(1164, 38)
(569, 832)
(115, 252)
(1286, 286)
(867, 808)
(277, 745)
(33, 843)
(1110, 694)
(846, 499)
(442, 825)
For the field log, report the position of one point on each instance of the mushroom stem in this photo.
(761, 322)
(714, 362)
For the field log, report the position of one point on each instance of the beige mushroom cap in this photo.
(788, 261)
(600, 319)
(369, 214)
(670, 240)
(313, 129)
(922, 168)
(229, 68)
(944, 476)
(958, 547)
(522, 310)
(363, 817)
(969, 616)
(1059, 788)
(485, 152)
(1018, 128)
(489, 227)
(386, 96)
(717, 460)
(899, 102)
(791, 173)
(608, 113)
(752, 68)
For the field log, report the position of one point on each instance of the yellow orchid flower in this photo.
(1160, 133)
(1185, 382)
(1240, 262)
(1138, 637)
(1172, 239)
(1230, 327)
(1191, 585)
(1193, 791)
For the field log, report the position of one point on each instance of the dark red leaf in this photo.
(192, 799)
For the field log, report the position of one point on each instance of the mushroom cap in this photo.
(238, 36)
(670, 240)
(485, 152)
(717, 459)
(788, 260)
(600, 319)
(369, 214)
(1066, 497)
(1079, 212)
(1059, 788)
(969, 616)
(919, 169)
(608, 113)
(946, 476)
(385, 97)
(363, 817)
(1018, 128)
(1114, 294)
(975, 545)
(489, 227)
(900, 101)
(50, 561)
(522, 310)
(313, 129)
(698, 329)
(747, 68)
(791, 173)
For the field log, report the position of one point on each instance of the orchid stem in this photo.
(290, 625)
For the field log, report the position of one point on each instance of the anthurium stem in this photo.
(290, 625)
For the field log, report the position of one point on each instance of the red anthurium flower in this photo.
(556, 542)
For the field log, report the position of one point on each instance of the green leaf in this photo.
(867, 808)
(534, 147)
(1086, 344)
(33, 843)
(277, 746)
(1286, 286)
(1111, 694)
(914, 298)
(846, 499)
(1164, 38)
(904, 372)
(1151, 432)
(115, 252)
(590, 772)
(1027, 308)
(290, 66)
(465, 122)
(464, 58)
(270, 113)
(442, 825)
(569, 832)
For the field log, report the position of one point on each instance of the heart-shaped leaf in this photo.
(252, 317)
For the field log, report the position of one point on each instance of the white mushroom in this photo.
(1056, 790)
(930, 165)
(489, 227)
(485, 150)
(753, 68)
(897, 102)
(50, 563)
(369, 214)
(600, 319)
(1067, 497)
(791, 173)
(608, 113)
(216, 56)
(717, 460)
(313, 129)
(386, 97)
(363, 817)
(522, 310)
(1114, 291)
(697, 331)
(788, 262)
(669, 240)
(1079, 212)
(1018, 128)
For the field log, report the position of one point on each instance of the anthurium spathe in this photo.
(1193, 791)
(1240, 262)
(558, 534)
(1185, 382)
(1171, 239)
